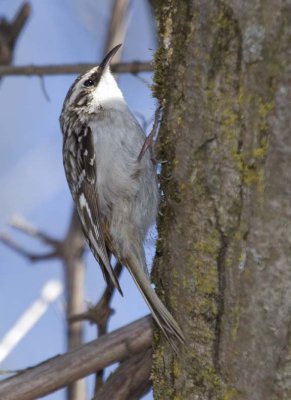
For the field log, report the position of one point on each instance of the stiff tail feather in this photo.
(162, 316)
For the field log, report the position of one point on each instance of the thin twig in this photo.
(133, 67)
(20, 224)
(143, 80)
(33, 257)
(43, 88)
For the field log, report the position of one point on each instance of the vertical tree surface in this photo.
(223, 255)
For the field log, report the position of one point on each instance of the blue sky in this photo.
(31, 171)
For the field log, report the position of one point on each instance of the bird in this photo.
(114, 189)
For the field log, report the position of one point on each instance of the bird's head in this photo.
(95, 90)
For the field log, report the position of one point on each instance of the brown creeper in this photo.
(116, 194)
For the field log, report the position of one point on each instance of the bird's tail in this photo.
(162, 316)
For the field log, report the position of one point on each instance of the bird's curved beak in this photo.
(108, 58)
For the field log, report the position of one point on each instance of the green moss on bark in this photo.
(214, 170)
(194, 279)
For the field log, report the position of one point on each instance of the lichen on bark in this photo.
(220, 74)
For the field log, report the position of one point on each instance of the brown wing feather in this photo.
(83, 187)
(91, 222)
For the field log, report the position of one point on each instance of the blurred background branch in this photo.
(130, 381)
(133, 67)
(10, 31)
(129, 341)
(73, 248)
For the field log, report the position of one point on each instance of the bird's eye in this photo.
(88, 83)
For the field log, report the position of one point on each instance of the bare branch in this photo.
(99, 313)
(147, 83)
(33, 257)
(72, 249)
(19, 21)
(131, 380)
(10, 31)
(25, 227)
(84, 316)
(9, 371)
(133, 67)
(62, 370)
(117, 27)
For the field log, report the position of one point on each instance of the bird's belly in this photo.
(127, 189)
(115, 182)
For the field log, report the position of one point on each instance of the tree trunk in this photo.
(223, 77)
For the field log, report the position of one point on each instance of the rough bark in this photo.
(222, 263)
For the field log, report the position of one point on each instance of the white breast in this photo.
(118, 140)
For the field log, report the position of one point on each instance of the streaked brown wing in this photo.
(86, 199)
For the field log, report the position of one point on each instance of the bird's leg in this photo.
(152, 137)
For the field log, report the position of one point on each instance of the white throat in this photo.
(107, 95)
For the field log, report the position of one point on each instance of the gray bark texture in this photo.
(223, 266)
